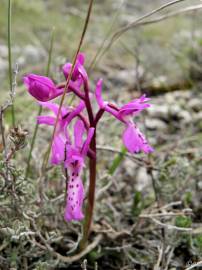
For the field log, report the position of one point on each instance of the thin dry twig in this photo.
(160, 256)
(140, 161)
(170, 227)
(169, 257)
(167, 214)
(66, 259)
(194, 265)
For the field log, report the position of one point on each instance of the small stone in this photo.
(200, 185)
(143, 179)
(21, 61)
(129, 167)
(169, 98)
(3, 51)
(185, 116)
(175, 110)
(160, 112)
(195, 104)
(155, 124)
(33, 54)
(3, 67)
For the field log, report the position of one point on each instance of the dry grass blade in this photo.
(171, 14)
(131, 25)
(140, 21)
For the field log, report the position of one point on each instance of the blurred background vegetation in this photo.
(150, 214)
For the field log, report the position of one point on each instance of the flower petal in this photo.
(40, 87)
(48, 120)
(78, 70)
(75, 197)
(98, 94)
(134, 107)
(58, 149)
(87, 142)
(54, 107)
(75, 112)
(78, 133)
(134, 140)
(51, 106)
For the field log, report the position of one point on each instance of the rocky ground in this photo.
(148, 209)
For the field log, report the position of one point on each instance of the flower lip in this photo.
(134, 140)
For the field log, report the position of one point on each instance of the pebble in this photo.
(3, 51)
(195, 104)
(143, 179)
(3, 66)
(155, 124)
(158, 111)
(33, 54)
(185, 116)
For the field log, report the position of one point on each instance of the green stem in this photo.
(117, 161)
(40, 108)
(10, 61)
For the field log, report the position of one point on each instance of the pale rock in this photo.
(159, 111)
(195, 104)
(33, 54)
(129, 166)
(185, 116)
(169, 98)
(197, 117)
(21, 61)
(155, 124)
(174, 110)
(199, 185)
(143, 179)
(3, 66)
(3, 51)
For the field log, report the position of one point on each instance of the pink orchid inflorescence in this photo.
(72, 152)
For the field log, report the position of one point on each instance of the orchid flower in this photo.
(61, 135)
(78, 70)
(73, 152)
(74, 162)
(42, 88)
(132, 138)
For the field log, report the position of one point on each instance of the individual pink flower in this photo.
(132, 138)
(40, 87)
(61, 136)
(78, 72)
(74, 162)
